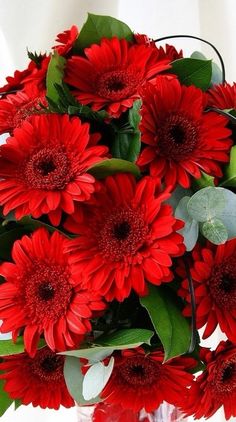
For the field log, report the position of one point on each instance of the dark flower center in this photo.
(177, 136)
(222, 284)
(122, 230)
(139, 371)
(121, 233)
(118, 84)
(225, 377)
(47, 169)
(46, 291)
(46, 301)
(48, 366)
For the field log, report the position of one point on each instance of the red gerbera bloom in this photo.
(222, 96)
(66, 40)
(141, 380)
(43, 295)
(14, 109)
(44, 167)
(181, 140)
(33, 76)
(216, 386)
(37, 380)
(127, 235)
(111, 74)
(214, 276)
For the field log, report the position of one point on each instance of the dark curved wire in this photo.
(202, 40)
(193, 341)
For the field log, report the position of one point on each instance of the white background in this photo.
(34, 24)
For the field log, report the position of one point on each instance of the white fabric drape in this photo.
(34, 24)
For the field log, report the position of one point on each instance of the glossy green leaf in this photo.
(8, 347)
(97, 27)
(215, 231)
(206, 204)
(216, 77)
(170, 325)
(112, 166)
(191, 228)
(193, 72)
(230, 170)
(5, 400)
(74, 381)
(204, 181)
(126, 145)
(54, 76)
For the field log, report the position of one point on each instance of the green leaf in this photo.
(215, 231)
(96, 379)
(216, 77)
(204, 181)
(126, 337)
(206, 203)
(126, 145)
(74, 381)
(134, 115)
(193, 72)
(228, 215)
(97, 27)
(5, 400)
(54, 76)
(8, 238)
(105, 345)
(191, 228)
(170, 325)
(112, 166)
(230, 170)
(7, 347)
(177, 195)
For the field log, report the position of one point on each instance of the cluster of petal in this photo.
(216, 386)
(42, 295)
(110, 74)
(127, 236)
(38, 381)
(213, 271)
(43, 167)
(222, 96)
(66, 40)
(141, 380)
(181, 139)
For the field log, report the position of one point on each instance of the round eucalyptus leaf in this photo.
(96, 378)
(215, 231)
(191, 227)
(206, 204)
(228, 214)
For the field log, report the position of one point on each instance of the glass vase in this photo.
(105, 413)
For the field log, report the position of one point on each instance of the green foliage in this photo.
(215, 231)
(112, 166)
(193, 72)
(191, 228)
(8, 347)
(230, 170)
(216, 77)
(97, 27)
(207, 203)
(170, 325)
(5, 400)
(35, 57)
(54, 76)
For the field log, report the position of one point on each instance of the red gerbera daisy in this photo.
(141, 380)
(222, 96)
(43, 295)
(44, 167)
(38, 381)
(216, 386)
(127, 235)
(14, 109)
(66, 40)
(111, 74)
(214, 276)
(181, 140)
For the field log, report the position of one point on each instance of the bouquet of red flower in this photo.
(118, 227)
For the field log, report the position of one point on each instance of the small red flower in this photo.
(216, 386)
(214, 276)
(43, 295)
(110, 75)
(66, 40)
(38, 381)
(181, 139)
(141, 380)
(127, 237)
(15, 109)
(222, 96)
(43, 167)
